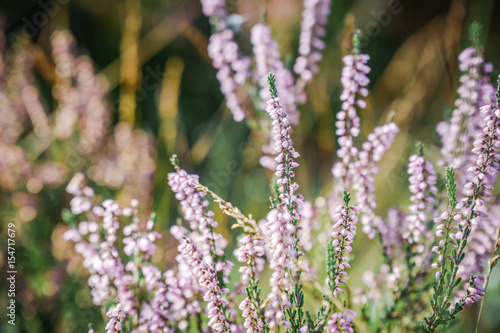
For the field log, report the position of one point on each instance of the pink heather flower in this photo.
(175, 296)
(206, 247)
(214, 8)
(194, 206)
(282, 221)
(486, 149)
(391, 232)
(285, 158)
(354, 81)
(81, 194)
(250, 251)
(311, 44)
(341, 322)
(232, 69)
(469, 215)
(459, 133)
(104, 264)
(377, 283)
(253, 323)
(365, 170)
(308, 222)
(344, 230)
(481, 243)
(423, 188)
(267, 60)
(137, 242)
(474, 293)
(203, 267)
(116, 316)
(280, 230)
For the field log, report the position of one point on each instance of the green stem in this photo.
(491, 265)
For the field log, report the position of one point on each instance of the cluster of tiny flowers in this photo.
(116, 316)
(308, 222)
(486, 149)
(474, 293)
(203, 268)
(344, 230)
(214, 8)
(312, 31)
(354, 81)
(80, 94)
(481, 243)
(203, 248)
(391, 232)
(193, 203)
(341, 322)
(364, 171)
(81, 194)
(385, 279)
(423, 188)
(456, 138)
(267, 60)
(280, 224)
(232, 69)
(172, 295)
(286, 153)
(102, 259)
(135, 241)
(250, 251)
(250, 313)
(280, 228)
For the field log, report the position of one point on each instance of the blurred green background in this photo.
(414, 72)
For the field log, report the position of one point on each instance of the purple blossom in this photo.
(193, 204)
(341, 322)
(101, 257)
(459, 133)
(481, 242)
(309, 221)
(391, 232)
(311, 44)
(253, 323)
(423, 188)
(474, 293)
(281, 225)
(285, 158)
(344, 230)
(116, 316)
(250, 251)
(214, 8)
(365, 170)
(267, 60)
(203, 267)
(354, 81)
(280, 229)
(468, 213)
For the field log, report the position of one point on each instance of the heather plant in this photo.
(44, 139)
(429, 268)
(292, 269)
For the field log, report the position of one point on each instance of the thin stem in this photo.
(492, 263)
